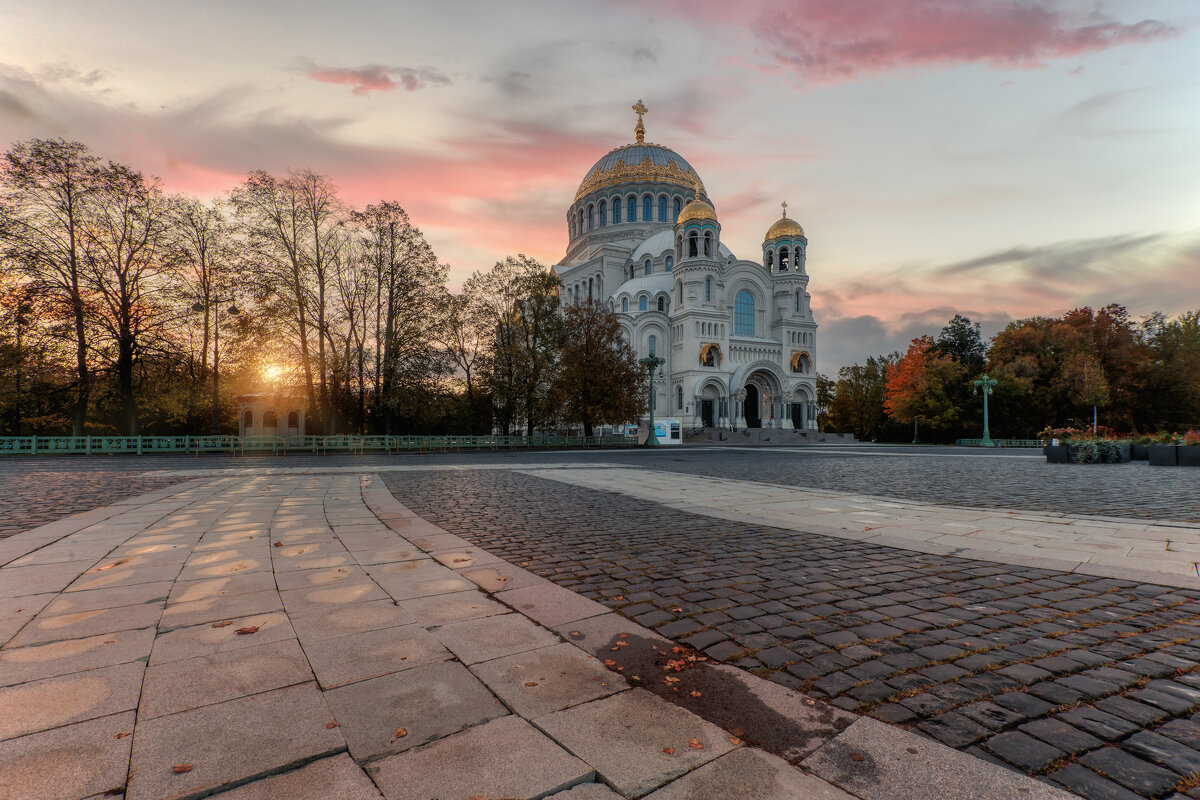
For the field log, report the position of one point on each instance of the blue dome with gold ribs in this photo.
(640, 162)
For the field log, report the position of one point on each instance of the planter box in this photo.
(1057, 454)
(1139, 452)
(1189, 455)
(1164, 455)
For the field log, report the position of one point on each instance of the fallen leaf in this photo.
(695, 693)
(278, 544)
(461, 560)
(622, 644)
(332, 725)
(224, 624)
(179, 769)
(676, 610)
(575, 634)
(247, 630)
(531, 683)
(670, 679)
(810, 701)
(619, 597)
(504, 578)
(399, 734)
(622, 635)
(734, 740)
(669, 751)
(608, 662)
(695, 744)
(122, 735)
(857, 757)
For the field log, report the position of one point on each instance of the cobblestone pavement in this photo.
(34, 496)
(1089, 683)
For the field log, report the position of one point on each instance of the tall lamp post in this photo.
(985, 384)
(233, 311)
(651, 363)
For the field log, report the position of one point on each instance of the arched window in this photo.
(797, 301)
(679, 291)
(589, 288)
(616, 210)
(707, 243)
(692, 244)
(591, 217)
(603, 213)
(646, 202)
(679, 397)
(676, 208)
(670, 263)
(653, 343)
(708, 290)
(270, 419)
(642, 303)
(647, 265)
(625, 305)
(679, 246)
(783, 259)
(662, 303)
(248, 419)
(770, 259)
(580, 228)
(662, 209)
(631, 210)
(293, 419)
(743, 314)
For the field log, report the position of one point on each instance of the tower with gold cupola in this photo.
(738, 336)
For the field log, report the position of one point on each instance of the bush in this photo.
(1097, 451)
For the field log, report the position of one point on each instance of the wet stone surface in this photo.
(1052, 674)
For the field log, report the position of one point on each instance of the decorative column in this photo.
(739, 409)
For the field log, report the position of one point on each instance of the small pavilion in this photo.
(271, 414)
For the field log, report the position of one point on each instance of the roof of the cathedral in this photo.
(641, 161)
(664, 241)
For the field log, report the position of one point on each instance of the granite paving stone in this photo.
(750, 774)
(476, 640)
(43, 629)
(426, 703)
(360, 656)
(218, 637)
(333, 778)
(626, 736)
(22, 664)
(1130, 771)
(194, 682)
(229, 743)
(442, 609)
(504, 758)
(548, 679)
(344, 620)
(85, 759)
(52, 702)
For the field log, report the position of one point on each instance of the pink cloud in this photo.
(835, 41)
(378, 78)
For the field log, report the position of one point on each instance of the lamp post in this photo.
(916, 439)
(233, 310)
(651, 363)
(985, 383)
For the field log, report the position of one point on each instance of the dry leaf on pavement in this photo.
(179, 769)
(246, 631)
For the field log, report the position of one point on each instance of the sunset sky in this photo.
(996, 159)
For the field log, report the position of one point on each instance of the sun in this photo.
(272, 371)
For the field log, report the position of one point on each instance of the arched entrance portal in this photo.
(753, 406)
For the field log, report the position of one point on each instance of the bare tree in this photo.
(46, 184)
(127, 264)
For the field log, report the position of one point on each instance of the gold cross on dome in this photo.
(784, 204)
(640, 131)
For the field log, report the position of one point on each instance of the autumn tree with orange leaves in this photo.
(921, 386)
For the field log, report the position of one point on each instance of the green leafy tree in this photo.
(599, 380)
(857, 403)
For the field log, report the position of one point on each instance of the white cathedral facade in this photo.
(738, 336)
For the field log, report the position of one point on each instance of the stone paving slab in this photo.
(427, 703)
(24, 664)
(80, 760)
(210, 638)
(333, 778)
(505, 758)
(359, 656)
(350, 619)
(230, 743)
(548, 679)
(478, 640)
(53, 702)
(749, 773)
(443, 609)
(551, 605)
(627, 736)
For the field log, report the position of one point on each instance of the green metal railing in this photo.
(1001, 443)
(194, 445)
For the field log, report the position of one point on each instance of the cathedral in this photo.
(738, 336)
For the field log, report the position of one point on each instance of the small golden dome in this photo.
(784, 226)
(697, 209)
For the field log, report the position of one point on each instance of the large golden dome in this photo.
(784, 227)
(697, 209)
